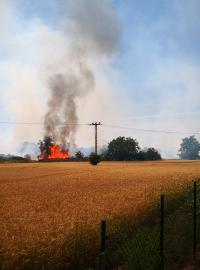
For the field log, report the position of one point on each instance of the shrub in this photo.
(94, 159)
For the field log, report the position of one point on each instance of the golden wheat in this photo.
(41, 202)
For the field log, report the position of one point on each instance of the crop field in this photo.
(41, 203)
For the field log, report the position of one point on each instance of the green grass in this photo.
(137, 247)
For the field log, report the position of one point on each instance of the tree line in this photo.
(128, 149)
(123, 148)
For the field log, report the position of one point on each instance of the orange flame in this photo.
(56, 153)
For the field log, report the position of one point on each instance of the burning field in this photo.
(42, 203)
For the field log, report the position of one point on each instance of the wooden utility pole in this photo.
(95, 124)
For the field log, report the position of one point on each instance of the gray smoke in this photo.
(28, 148)
(65, 88)
(93, 32)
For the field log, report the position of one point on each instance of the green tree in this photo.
(141, 156)
(123, 148)
(149, 154)
(189, 148)
(152, 154)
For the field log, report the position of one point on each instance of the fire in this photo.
(56, 153)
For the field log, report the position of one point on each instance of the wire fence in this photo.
(166, 238)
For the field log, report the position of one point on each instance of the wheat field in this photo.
(41, 202)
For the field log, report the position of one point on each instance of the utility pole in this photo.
(95, 124)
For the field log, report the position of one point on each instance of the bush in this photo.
(94, 159)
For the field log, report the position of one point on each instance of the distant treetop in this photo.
(189, 148)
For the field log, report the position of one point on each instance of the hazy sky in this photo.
(150, 80)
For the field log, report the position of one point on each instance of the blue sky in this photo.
(151, 81)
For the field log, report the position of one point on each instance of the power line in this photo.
(104, 125)
(153, 130)
(39, 123)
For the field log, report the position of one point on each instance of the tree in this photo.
(148, 154)
(141, 156)
(79, 155)
(123, 148)
(189, 148)
(152, 154)
(45, 146)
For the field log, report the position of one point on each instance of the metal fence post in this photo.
(162, 231)
(103, 245)
(195, 220)
(103, 236)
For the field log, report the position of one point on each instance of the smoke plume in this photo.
(93, 32)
